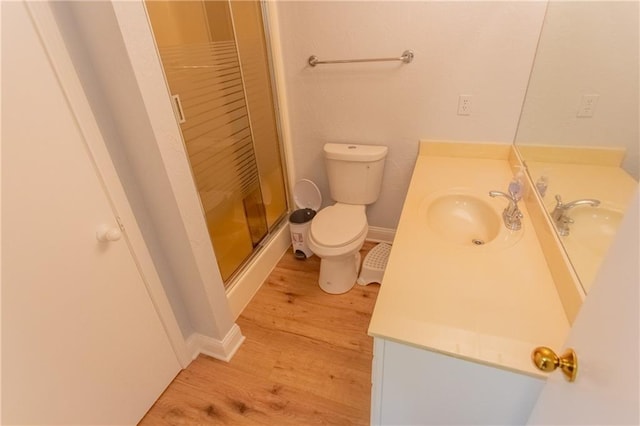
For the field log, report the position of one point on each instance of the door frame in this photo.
(51, 38)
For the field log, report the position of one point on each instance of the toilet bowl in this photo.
(337, 234)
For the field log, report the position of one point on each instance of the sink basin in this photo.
(463, 219)
(594, 227)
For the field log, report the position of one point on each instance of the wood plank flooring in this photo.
(306, 359)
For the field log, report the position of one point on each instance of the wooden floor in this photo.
(306, 359)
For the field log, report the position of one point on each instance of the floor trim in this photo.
(381, 235)
(222, 350)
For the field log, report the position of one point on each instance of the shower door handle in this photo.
(177, 108)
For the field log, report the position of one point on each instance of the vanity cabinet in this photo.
(455, 322)
(417, 386)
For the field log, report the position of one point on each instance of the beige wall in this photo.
(484, 49)
(214, 25)
(586, 48)
(219, 20)
(168, 18)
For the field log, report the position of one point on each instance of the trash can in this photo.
(307, 198)
(299, 224)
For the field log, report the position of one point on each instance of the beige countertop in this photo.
(609, 184)
(491, 304)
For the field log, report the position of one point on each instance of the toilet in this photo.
(337, 232)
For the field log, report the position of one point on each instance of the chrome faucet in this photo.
(559, 214)
(511, 214)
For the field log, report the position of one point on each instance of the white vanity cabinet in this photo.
(455, 322)
(413, 386)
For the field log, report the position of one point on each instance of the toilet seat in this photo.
(339, 225)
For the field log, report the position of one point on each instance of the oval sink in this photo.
(594, 227)
(463, 219)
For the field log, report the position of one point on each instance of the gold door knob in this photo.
(547, 360)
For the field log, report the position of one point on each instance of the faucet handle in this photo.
(566, 219)
(558, 201)
(515, 195)
(511, 214)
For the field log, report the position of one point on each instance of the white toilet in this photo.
(337, 232)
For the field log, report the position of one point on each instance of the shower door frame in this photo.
(255, 270)
(246, 282)
(267, 13)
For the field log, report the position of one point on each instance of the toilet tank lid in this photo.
(353, 152)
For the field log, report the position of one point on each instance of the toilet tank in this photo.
(354, 172)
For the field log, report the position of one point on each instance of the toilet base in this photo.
(338, 275)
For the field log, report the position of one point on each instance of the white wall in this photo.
(144, 141)
(586, 48)
(484, 49)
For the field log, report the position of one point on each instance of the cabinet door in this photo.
(420, 387)
(81, 340)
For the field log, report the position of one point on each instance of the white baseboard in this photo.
(381, 235)
(222, 350)
(249, 281)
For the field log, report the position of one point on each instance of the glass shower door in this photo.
(254, 60)
(197, 45)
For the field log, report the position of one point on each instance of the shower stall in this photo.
(216, 64)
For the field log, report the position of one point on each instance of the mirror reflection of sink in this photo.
(463, 219)
(594, 227)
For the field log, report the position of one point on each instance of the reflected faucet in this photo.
(559, 214)
(511, 214)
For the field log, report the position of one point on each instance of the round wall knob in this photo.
(547, 360)
(106, 233)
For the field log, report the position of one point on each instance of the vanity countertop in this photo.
(610, 184)
(488, 304)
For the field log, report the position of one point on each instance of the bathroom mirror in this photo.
(578, 131)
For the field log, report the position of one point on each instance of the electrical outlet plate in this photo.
(464, 105)
(587, 105)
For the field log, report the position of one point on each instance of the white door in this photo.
(81, 340)
(605, 338)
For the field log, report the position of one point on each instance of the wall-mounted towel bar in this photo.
(407, 57)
